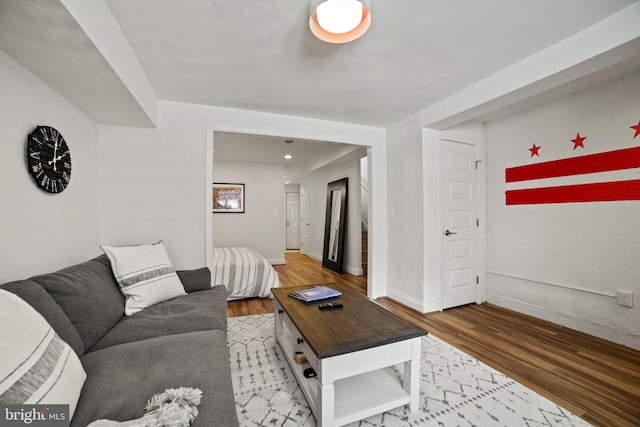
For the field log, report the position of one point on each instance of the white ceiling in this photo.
(48, 41)
(307, 157)
(260, 55)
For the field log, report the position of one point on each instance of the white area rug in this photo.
(455, 388)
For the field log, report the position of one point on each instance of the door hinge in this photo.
(478, 161)
(477, 280)
(477, 222)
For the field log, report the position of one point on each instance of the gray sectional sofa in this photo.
(127, 359)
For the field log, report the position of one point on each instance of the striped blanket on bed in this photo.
(244, 272)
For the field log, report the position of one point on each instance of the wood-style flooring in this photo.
(593, 378)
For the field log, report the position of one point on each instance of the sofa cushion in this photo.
(195, 280)
(89, 296)
(121, 379)
(196, 311)
(41, 301)
(145, 275)
(36, 365)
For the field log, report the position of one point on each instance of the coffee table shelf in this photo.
(367, 394)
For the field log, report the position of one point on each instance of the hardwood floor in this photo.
(593, 378)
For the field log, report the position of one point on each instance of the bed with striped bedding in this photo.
(244, 271)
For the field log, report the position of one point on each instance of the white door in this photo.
(293, 220)
(460, 236)
(304, 219)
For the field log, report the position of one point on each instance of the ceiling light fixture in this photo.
(288, 156)
(339, 21)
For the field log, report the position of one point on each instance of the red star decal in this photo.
(578, 141)
(534, 150)
(636, 128)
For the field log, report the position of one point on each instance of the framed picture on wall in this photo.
(228, 198)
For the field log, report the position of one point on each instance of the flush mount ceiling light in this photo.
(339, 21)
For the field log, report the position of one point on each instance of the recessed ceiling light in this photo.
(288, 156)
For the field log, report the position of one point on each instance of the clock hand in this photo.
(57, 159)
(55, 150)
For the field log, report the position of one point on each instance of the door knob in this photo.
(448, 233)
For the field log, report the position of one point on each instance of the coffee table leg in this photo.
(277, 319)
(412, 376)
(326, 404)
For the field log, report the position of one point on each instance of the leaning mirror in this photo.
(335, 224)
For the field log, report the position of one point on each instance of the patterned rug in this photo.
(455, 388)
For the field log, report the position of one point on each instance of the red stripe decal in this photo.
(596, 192)
(627, 158)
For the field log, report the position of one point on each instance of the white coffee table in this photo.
(352, 350)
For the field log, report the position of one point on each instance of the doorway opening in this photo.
(301, 215)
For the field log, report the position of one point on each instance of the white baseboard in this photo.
(277, 261)
(315, 256)
(353, 270)
(411, 302)
(404, 299)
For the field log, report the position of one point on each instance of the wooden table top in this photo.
(359, 325)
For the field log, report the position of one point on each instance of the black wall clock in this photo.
(49, 159)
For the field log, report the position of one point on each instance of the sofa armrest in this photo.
(195, 280)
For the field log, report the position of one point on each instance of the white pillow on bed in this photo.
(145, 275)
(36, 366)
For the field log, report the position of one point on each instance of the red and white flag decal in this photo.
(601, 177)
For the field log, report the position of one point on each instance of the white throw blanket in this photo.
(175, 407)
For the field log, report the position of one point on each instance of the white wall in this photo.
(42, 232)
(565, 262)
(262, 225)
(352, 262)
(152, 183)
(155, 183)
(405, 210)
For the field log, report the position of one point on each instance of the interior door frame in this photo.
(304, 244)
(298, 220)
(449, 146)
(470, 134)
(373, 139)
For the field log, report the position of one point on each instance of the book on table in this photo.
(314, 294)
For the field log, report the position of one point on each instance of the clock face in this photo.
(49, 159)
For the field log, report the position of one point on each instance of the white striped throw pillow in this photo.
(36, 366)
(145, 275)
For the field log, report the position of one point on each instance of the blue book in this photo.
(315, 293)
